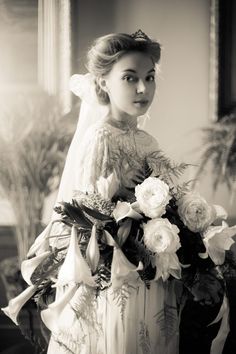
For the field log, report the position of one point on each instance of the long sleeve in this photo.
(96, 159)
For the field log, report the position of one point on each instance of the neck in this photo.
(122, 117)
(124, 124)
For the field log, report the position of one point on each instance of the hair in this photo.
(107, 50)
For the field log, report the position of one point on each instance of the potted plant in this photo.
(34, 138)
(219, 149)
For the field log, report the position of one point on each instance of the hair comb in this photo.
(140, 36)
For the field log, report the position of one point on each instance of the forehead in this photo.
(140, 62)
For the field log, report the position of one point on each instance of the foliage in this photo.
(34, 139)
(167, 169)
(219, 143)
(167, 319)
(121, 296)
(144, 338)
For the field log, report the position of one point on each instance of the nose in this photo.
(141, 87)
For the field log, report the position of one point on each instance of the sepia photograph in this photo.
(117, 177)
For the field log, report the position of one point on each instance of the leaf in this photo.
(68, 345)
(206, 287)
(121, 296)
(103, 276)
(95, 213)
(47, 267)
(219, 149)
(167, 319)
(76, 214)
(31, 155)
(179, 190)
(144, 339)
(86, 303)
(164, 168)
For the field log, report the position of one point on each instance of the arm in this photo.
(96, 159)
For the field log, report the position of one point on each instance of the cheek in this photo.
(152, 90)
(123, 95)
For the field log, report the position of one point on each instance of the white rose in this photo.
(195, 212)
(161, 236)
(152, 196)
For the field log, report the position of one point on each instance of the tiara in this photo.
(140, 36)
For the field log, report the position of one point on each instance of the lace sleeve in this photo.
(95, 160)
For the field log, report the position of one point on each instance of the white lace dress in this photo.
(136, 319)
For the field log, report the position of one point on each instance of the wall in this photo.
(182, 27)
(95, 18)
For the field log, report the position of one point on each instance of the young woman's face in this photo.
(130, 85)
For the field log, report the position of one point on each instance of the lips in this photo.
(142, 102)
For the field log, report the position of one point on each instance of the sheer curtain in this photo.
(54, 49)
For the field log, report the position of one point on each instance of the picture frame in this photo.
(222, 63)
(227, 58)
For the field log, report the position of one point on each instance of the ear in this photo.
(102, 81)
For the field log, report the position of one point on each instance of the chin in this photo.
(140, 112)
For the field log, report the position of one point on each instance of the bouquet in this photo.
(158, 232)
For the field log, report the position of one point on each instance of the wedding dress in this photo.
(140, 320)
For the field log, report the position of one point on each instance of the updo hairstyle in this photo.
(108, 49)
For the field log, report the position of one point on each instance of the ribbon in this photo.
(217, 344)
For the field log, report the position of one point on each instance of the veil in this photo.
(90, 112)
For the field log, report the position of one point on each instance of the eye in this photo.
(150, 78)
(129, 78)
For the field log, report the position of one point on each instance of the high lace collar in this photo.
(126, 125)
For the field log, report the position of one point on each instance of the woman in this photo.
(123, 69)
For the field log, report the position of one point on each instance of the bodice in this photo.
(111, 145)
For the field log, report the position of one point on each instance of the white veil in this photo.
(90, 112)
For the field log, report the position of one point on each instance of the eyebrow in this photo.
(135, 72)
